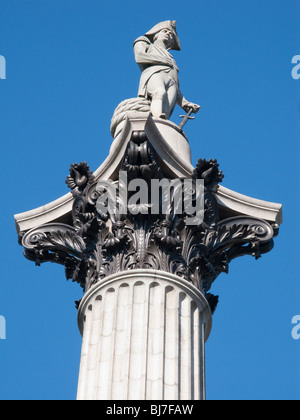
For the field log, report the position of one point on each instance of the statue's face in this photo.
(165, 36)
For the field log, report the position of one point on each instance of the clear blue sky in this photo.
(69, 64)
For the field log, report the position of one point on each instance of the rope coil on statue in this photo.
(133, 104)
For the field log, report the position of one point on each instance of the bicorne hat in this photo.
(168, 24)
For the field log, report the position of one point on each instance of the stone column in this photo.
(143, 338)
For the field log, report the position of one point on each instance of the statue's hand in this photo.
(188, 105)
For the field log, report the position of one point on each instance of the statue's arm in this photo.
(186, 105)
(144, 55)
(180, 99)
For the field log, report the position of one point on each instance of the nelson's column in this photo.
(145, 236)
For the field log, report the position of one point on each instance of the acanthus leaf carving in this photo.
(209, 172)
(79, 178)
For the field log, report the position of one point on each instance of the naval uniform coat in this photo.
(153, 59)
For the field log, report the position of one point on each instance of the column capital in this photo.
(94, 245)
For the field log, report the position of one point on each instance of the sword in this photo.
(186, 117)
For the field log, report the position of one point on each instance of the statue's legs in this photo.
(163, 92)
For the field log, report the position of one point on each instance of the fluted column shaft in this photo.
(143, 338)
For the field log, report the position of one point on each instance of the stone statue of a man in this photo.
(159, 80)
